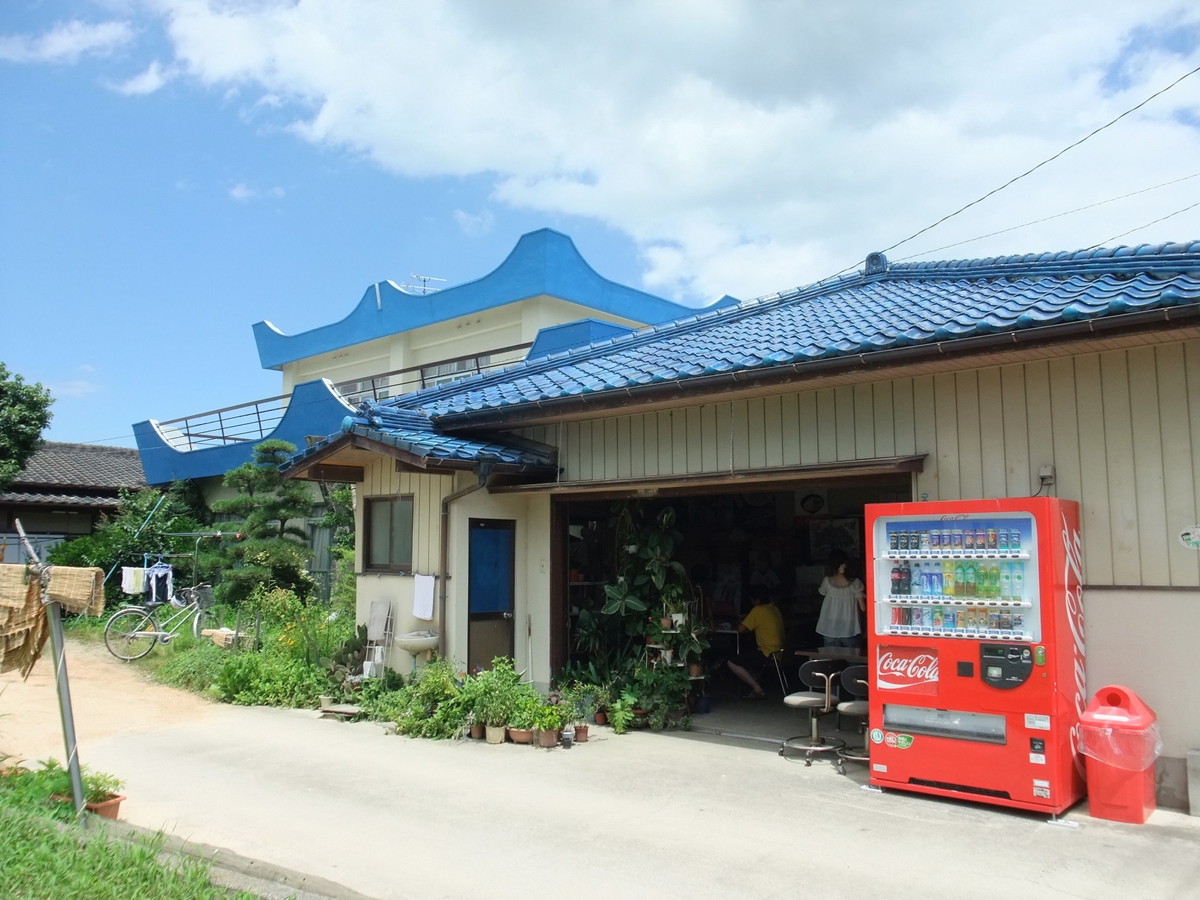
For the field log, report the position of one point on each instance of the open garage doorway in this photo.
(730, 540)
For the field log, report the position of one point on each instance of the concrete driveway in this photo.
(639, 815)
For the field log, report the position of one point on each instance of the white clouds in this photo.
(244, 193)
(149, 81)
(66, 42)
(73, 389)
(745, 146)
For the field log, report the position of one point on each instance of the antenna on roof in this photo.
(423, 287)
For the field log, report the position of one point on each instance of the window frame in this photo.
(369, 564)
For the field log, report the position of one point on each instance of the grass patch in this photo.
(41, 857)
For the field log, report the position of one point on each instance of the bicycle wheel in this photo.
(200, 621)
(130, 635)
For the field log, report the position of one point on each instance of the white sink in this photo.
(415, 642)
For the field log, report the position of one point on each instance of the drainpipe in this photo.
(444, 556)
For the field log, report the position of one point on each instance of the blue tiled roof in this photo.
(885, 307)
(412, 431)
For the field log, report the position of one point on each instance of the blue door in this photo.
(490, 590)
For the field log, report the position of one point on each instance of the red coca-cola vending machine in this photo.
(975, 650)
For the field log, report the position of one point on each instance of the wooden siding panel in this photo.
(809, 425)
(883, 419)
(1148, 477)
(608, 431)
(740, 434)
(1036, 425)
(1118, 442)
(623, 441)
(925, 438)
(863, 398)
(756, 451)
(773, 431)
(710, 453)
(1179, 387)
(637, 441)
(827, 436)
(665, 437)
(843, 400)
(679, 436)
(993, 444)
(904, 417)
(651, 450)
(1093, 472)
(789, 430)
(694, 426)
(949, 460)
(1062, 427)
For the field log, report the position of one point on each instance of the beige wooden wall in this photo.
(1121, 428)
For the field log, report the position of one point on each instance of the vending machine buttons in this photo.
(1039, 655)
(1005, 666)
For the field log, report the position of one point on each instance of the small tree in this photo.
(275, 552)
(24, 415)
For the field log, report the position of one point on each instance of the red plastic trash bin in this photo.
(1118, 735)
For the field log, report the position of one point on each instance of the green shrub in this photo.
(431, 705)
(269, 679)
(196, 670)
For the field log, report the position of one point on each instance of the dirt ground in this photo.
(108, 697)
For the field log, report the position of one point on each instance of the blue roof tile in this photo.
(899, 305)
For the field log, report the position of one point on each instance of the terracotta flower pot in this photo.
(601, 717)
(548, 737)
(107, 808)
(477, 731)
(520, 735)
(581, 734)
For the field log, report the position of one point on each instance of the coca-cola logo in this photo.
(907, 669)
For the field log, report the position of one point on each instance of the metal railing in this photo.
(254, 421)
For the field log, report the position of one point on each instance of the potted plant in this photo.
(549, 720)
(100, 789)
(497, 692)
(620, 712)
(523, 717)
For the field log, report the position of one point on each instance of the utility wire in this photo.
(1017, 178)
(1055, 216)
(1146, 225)
(1044, 162)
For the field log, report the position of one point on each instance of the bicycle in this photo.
(133, 631)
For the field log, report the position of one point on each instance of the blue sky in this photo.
(176, 170)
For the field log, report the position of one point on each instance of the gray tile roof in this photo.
(75, 475)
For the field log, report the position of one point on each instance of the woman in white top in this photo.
(844, 597)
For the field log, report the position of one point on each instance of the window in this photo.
(389, 534)
(440, 373)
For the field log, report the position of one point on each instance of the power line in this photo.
(1146, 225)
(1030, 171)
(1044, 162)
(1055, 216)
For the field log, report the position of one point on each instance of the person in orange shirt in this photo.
(765, 622)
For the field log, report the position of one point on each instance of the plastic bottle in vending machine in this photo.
(897, 579)
(1006, 581)
(970, 585)
(948, 578)
(994, 580)
(933, 579)
(1018, 580)
(960, 578)
(917, 586)
(905, 577)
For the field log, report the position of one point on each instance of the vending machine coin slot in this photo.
(1005, 666)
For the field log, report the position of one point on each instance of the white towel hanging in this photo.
(423, 597)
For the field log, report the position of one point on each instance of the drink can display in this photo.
(898, 615)
(956, 539)
(935, 541)
(937, 620)
(968, 544)
(992, 539)
(893, 540)
(1014, 540)
(949, 617)
(1002, 540)
(924, 542)
(980, 540)
(903, 541)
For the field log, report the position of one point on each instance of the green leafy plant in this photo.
(620, 712)
(498, 689)
(525, 709)
(431, 705)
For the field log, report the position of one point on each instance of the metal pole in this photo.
(54, 615)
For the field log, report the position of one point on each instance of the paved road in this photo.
(640, 815)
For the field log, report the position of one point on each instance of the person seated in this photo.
(765, 622)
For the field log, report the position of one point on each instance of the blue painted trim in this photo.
(557, 338)
(315, 408)
(543, 262)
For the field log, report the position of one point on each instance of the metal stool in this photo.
(819, 675)
(854, 683)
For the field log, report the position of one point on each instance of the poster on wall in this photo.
(829, 536)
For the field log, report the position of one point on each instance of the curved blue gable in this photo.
(311, 402)
(543, 262)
